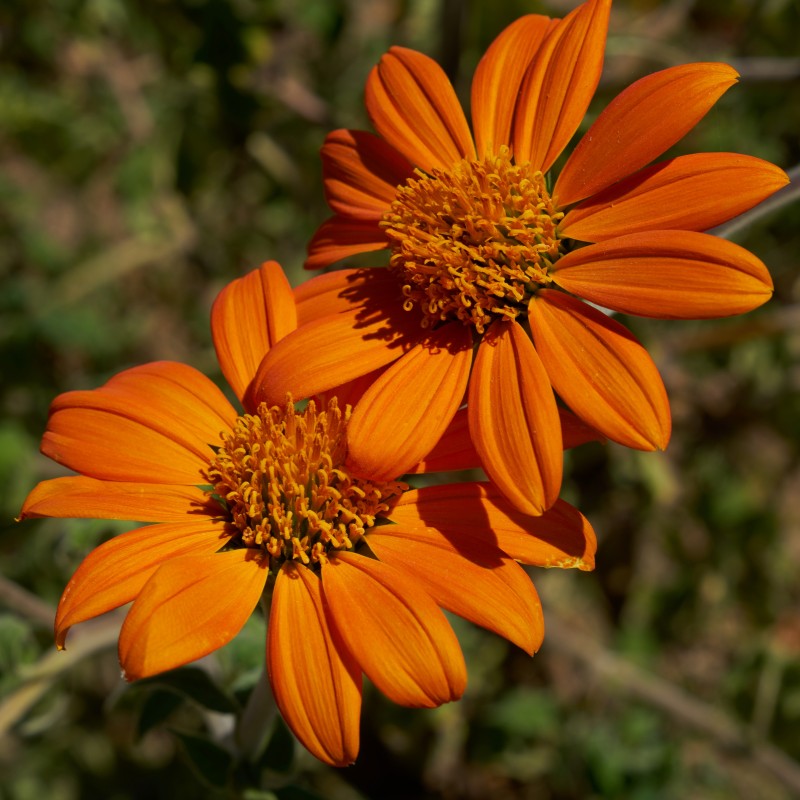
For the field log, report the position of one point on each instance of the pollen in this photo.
(475, 242)
(281, 479)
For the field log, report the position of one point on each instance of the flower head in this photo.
(260, 504)
(490, 253)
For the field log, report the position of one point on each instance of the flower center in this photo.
(280, 476)
(475, 242)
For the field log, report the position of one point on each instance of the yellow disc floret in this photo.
(281, 478)
(474, 242)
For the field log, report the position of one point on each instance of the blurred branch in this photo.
(789, 194)
(726, 731)
(761, 68)
(92, 637)
(26, 603)
(779, 321)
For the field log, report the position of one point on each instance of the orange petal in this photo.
(405, 412)
(190, 607)
(575, 432)
(315, 680)
(340, 237)
(639, 125)
(336, 349)
(343, 290)
(361, 174)
(513, 419)
(560, 84)
(689, 193)
(603, 374)
(497, 80)
(471, 578)
(561, 537)
(413, 106)
(667, 274)
(249, 315)
(87, 498)
(396, 632)
(153, 423)
(115, 572)
(454, 451)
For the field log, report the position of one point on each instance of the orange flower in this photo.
(257, 500)
(485, 253)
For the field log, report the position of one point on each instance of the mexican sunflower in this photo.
(259, 504)
(492, 258)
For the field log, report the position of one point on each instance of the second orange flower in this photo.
(491, 260)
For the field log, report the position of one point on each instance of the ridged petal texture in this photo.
(639, 124)
(690, 193)
(394, 629)
(561, 537)
(188, 608)
(315, 680)
(470, 577)
(412, 104)
(79, 497)
(668, 275)
(498, 77)
(115, 572)
(513, 419)
(361, 173)
(603, 374)
(456, 451)
(405, 412)
(249, 315)
(155, 424)
(560, 84)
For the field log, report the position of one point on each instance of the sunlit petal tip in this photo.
(315, 680)
(599, 369)
(172, 622)
(80, 497)
(415, 661)
(468, 576)
(163, 416)
(115, 572)
(560, 537)
(654, 112)
(667, 275)
(689, 193)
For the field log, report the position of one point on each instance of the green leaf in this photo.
(197, 685)
(524, 712)
(279, 753)
(212, 763)
(157, 707)
(296, 793)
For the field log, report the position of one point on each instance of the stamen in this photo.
(475, 242)
(285, 487)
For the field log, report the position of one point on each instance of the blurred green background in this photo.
(150, 152)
